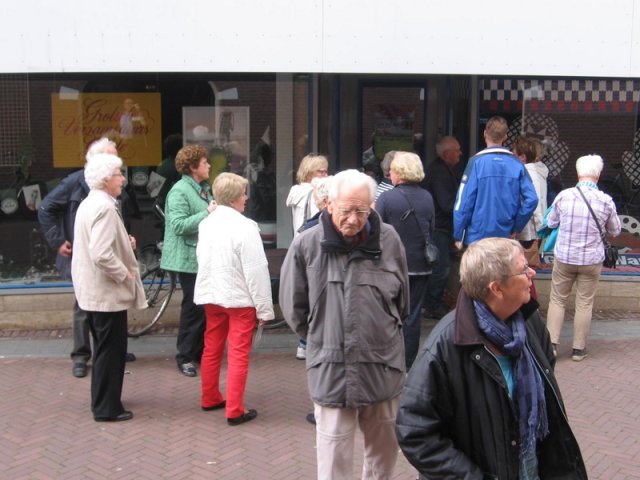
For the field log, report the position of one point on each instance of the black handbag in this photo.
(431, 252)
(610, 252)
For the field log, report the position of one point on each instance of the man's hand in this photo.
(65, 249)
(458, 244)
(132, 241)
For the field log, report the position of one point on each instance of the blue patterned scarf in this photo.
(528, 395)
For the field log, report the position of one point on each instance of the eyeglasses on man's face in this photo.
(359, 212)
(527, 271)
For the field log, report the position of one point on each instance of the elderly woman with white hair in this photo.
(106, 282)
(579, 250)
(481, 400)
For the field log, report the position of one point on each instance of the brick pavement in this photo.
(47, 432)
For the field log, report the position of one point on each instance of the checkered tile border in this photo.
(560, 96)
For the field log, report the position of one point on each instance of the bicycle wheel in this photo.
(158, 287)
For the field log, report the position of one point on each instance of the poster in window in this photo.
(132, 120)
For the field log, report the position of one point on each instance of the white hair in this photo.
(321, 186)
(99, 168)
(589, 166)
(353, 179)
(103, 145)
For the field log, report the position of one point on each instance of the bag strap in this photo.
(307, 207)
(602, 234)
(427, 237)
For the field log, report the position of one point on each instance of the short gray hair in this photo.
(385, 165)
(100, 146)
(485, 261)
(354, 179)
(444, 144)
(589, 166)
(99, 168)
(321, 187)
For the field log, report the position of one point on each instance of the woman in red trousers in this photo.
(234, 286)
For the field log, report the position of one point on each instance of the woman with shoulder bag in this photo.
(579, 250)
(409, 209)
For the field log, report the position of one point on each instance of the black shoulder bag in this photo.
(610, 252)
(431, 253)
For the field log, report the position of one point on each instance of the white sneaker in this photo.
(301, 353)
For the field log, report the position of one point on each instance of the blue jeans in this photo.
(412, 325)
(440, 274)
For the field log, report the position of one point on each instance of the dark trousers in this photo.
(109, 330)
(190, 342)
(440, 273)
(81, 342)
(413, 324)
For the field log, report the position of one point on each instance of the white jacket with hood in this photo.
(538, 172)
(303, 207)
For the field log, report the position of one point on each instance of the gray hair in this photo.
(485, 261)
(444, 144)
(321, 187)
(354, 179)
(589, 166)
(103, 145)
(99, 168)
(386, 162)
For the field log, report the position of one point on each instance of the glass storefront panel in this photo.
(576, 117)
(261, 125)
(252, 125)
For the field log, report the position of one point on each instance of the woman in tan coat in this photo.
(106, 282)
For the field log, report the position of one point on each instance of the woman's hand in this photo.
(262, 322)
(212, 206)
(132, 241)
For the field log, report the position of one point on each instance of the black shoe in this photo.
(187, 369)
(245, 417)
(219, 406)
(124, 416)
(130, 357)
(311, 418)
(79, 370)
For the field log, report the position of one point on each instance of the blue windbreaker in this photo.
(496, 197)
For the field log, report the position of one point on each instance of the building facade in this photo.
(262, 85)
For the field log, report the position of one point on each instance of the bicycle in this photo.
(158, 284)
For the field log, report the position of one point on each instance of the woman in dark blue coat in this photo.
(409, 209)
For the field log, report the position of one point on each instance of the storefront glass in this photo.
(249, 123)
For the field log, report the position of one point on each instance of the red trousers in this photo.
(235, 325)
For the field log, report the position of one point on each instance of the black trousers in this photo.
(190, 342)
(109, 330)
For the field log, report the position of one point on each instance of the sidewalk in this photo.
(47, 432)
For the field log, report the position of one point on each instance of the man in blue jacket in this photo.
(57, 215)
(496, 197)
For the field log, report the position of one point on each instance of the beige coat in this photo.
(103, 258)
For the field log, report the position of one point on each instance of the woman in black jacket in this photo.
(481, 401)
